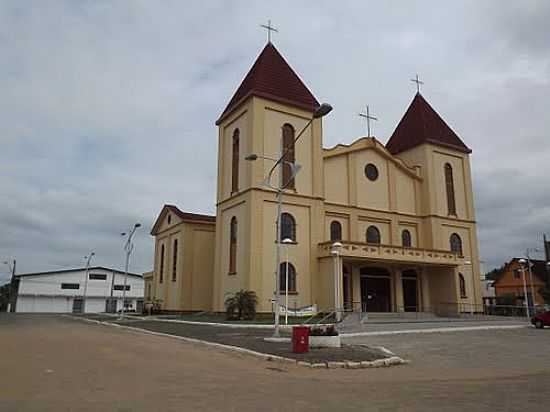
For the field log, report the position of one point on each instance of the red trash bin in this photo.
(300, 339)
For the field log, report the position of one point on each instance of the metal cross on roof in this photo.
(418, 83)
(269, 29)
(368, 118)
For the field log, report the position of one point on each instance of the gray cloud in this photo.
(107, 109)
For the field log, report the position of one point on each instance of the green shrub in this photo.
(241, 306)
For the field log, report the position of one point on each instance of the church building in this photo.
(366, 226)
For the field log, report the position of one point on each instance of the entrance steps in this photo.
(352, 319)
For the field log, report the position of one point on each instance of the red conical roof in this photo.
(422, 124)
(272, 78)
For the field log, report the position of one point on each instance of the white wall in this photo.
(43, 293)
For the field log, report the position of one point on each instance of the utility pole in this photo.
(128, 247)
(87, 274)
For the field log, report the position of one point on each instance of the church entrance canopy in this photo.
(392, 254)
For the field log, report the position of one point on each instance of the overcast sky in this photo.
(107, 109)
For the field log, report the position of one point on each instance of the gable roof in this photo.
(90, 269)
(271, 77)
(422, 124)
(185, 216)
(538, 269)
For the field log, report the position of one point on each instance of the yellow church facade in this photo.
(365, 226)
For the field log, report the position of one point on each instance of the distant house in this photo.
(509, 281)
(63, 291)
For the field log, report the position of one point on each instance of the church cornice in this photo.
(371, 143)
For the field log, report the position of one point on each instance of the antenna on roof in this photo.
(269, 29)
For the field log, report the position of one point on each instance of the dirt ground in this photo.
(54, 363)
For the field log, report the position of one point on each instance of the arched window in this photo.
(406, 239)
(288, 227)
(462, 286)
(373, 235)
(235, 163)
(233, 246)
(290, 156)
(449, 184)
(175, 260)
(161, 269)
(456, 244)
(291, 277)
(335, 231)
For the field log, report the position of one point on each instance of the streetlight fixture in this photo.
(335, 251)
(522, 262)
(286, 242)
(321, 111)
(86, 274)
(128, 247)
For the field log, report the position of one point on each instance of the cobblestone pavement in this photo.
(253, 339)
(51, 363)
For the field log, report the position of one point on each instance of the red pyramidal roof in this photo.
(422, 124)
(272, 78)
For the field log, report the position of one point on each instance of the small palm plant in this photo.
(241, 306)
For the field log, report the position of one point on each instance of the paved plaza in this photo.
(53, 363)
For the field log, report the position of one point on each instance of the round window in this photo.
(371, 172)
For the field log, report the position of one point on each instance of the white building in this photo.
(63, 291)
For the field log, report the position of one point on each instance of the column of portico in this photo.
(356, 287)
(425, 293)
(398, 288)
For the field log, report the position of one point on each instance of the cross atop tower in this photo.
(368, 118)
(418, 83)
(269, 29)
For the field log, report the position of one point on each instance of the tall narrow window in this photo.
(290, 157)
(233, 246)
(406, 240)
(335, 231)
(283, 276)
(462, 283)
(175, 260)
(161, 269)
(288, 227)
(456, 244)
(235, 163)
(449, 184)
(373, 235)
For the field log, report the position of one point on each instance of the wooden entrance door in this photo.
(376, 293)
(410, 291)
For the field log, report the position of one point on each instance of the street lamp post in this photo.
(522, 262)
(531, 273)
(286, 242)
(321, 111)
(128, 247)
(335, 251)
(86, 274)
(11, 302)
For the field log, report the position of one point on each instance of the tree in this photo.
(4, 297)
(242, 305)
(545, 293)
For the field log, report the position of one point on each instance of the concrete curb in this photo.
(235, 325)
(433, 330)
(385, 362)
